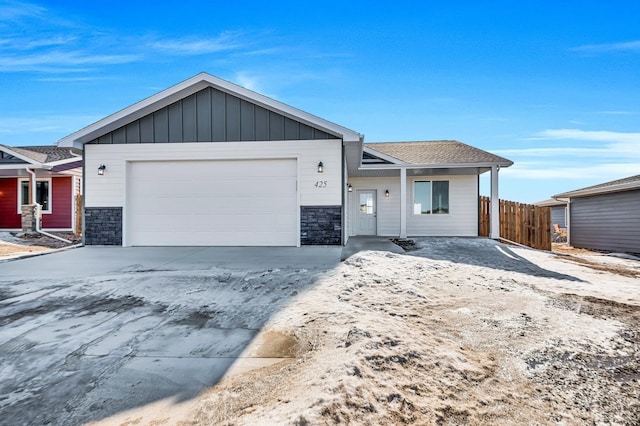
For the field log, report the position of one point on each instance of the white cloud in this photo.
(198, 46)
(14, 10)
(554, 152)
(60, 61)
(247, 81)
(588, 135)
(600, 172)
(608, 144)
(48, 123)
(627, 46)
(618, 112)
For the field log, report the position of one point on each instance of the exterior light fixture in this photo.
(101, 169)
(320, 167)
(386, 193)
(349, 187)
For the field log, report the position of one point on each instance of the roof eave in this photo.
(436, 165)
(19, 156)
(597, 191)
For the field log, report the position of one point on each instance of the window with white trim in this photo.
(43, 194)
(431, 197)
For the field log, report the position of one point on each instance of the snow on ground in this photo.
(460, 331)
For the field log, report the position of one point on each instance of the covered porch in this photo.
(394, 197)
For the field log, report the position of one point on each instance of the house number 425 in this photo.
(321, 184)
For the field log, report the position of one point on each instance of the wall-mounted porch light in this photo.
(386, 193)
(349, 187)
(101, 169)
(320, 167)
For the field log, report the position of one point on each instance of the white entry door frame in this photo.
(367, 212)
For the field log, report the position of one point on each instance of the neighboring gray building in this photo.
(605, 216)
(558, 217)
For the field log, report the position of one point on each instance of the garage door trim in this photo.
(128, 238)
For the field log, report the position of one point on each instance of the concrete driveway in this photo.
(92, 332)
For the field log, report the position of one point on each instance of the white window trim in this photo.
(20, 180)
(413, 197)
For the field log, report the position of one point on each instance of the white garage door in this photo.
(212, 203)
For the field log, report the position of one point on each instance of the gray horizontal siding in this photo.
(559, 216)
(607, 222)
(211, 115)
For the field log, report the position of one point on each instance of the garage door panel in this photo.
(243, 202)
(232, 205)
(210, 186)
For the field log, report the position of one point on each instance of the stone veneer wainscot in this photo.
(320, 225)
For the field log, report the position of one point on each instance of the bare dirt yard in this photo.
(456, 332)
(459, 331)
(12, 246)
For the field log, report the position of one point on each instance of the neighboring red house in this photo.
(55, 175)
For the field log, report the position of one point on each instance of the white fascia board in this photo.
(189, 87)
(432, 166)
(65, 161)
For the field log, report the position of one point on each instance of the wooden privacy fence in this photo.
(78, 215)
(521, 223)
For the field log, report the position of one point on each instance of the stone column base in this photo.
(31, 214)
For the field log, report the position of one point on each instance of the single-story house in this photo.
(47, 175)
(605, 216)
(207, 162)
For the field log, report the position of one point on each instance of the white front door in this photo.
(366, 222)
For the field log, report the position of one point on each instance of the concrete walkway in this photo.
(367, 243)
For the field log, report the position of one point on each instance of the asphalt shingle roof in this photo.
(47, 154)
(437, 152)
(631, 182)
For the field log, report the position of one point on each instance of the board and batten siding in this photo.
(606, 222)
(109, 190)
(463, 206)
(211, 115)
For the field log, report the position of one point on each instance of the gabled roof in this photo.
(189, 87)
(45, 157)
(48, 154)
(437, 153)
(625, 184)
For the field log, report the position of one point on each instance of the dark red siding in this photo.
(61, 203)
(9, 217)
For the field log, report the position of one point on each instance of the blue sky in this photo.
(553, 86)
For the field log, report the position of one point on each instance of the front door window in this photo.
(367, 222)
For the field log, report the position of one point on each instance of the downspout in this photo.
(33, 201)
(32, 185)
(569, 221)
